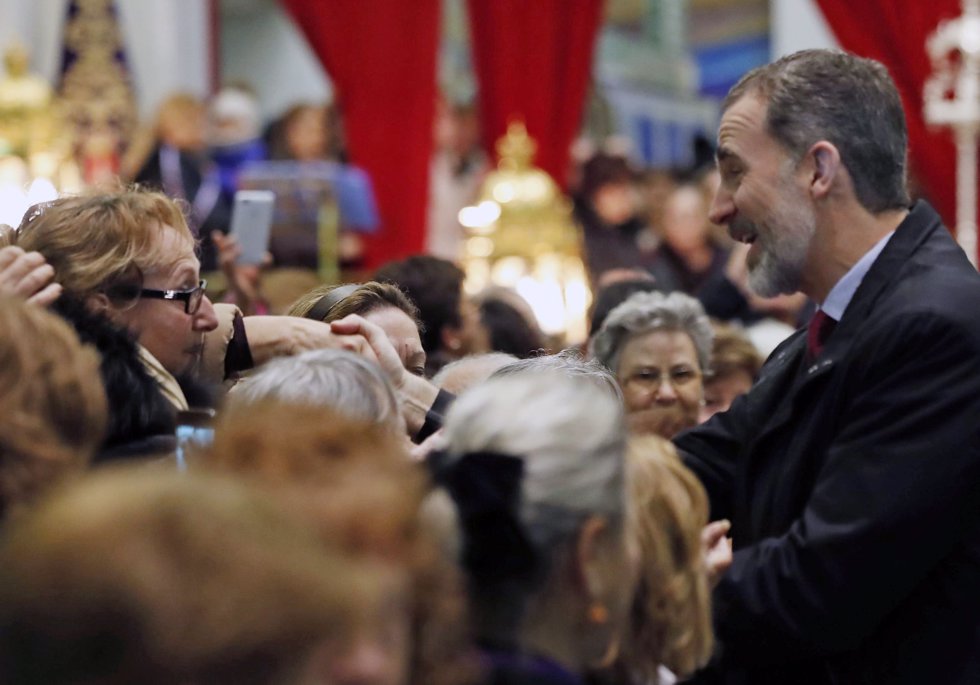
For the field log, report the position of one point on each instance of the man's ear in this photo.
(826, 168)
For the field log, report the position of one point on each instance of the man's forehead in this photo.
(744, 120)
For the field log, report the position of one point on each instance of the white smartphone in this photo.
(251, 223)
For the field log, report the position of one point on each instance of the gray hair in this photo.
(338, 379)
(568, 363)
(650, 312)
(462, 374)
(849, 101)
(571, 437)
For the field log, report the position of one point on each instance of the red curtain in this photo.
(894, 32)
(533, 61)
(381, 57)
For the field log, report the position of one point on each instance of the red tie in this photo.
(820, 328)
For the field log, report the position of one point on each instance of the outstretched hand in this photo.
(27, 275)
(717, 549)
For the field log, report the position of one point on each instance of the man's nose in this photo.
(722, 207)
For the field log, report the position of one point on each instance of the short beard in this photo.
(780, 267)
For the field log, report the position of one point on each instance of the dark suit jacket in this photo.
(853, 486)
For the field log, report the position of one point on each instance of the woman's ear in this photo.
(98, 303)
(588, 556)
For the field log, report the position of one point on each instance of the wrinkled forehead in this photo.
(171, 248)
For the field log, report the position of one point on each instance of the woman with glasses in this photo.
(658, 347)
(131, 286)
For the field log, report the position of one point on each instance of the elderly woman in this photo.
(131, 285)
(535, 466)
(340, 380)
(658, 347)
(382, 304)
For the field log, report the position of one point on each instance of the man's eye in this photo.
(417, 370)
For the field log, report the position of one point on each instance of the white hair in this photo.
(338, 379)
(571, 436)
(460, 375)
(568, 363)
(648, 312)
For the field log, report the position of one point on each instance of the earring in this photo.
(598, 613)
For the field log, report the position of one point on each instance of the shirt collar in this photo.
(843, 291)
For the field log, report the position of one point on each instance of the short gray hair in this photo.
(570, 435)
(568, 363)
(462, 374)
(849, 101)
(338, 379)
(648, 313)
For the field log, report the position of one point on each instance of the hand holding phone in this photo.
(251, 224)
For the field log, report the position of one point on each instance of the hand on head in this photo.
(27, 275)
(417, 393)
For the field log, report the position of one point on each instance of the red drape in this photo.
(533, 61)
(381, 57)
(894, 32)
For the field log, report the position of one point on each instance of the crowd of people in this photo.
(402, 485)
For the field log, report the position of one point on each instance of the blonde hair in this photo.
(52, 408)
(99, 242)
(149, 576)
(354, 480)
(671, 617)
(732, 352)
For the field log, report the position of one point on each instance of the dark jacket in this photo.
(853, 486)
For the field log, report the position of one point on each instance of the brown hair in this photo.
(140, 575)
(671, 617)
(98, 242)
(732, 352)
(356, 482)
(368, 297)
(52, 407)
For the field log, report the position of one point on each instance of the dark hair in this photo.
(614, 295)
(435, 286)
(509, 331)
(846, 100)
(603, 169)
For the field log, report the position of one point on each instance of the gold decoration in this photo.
(520, 235)
(99, 102)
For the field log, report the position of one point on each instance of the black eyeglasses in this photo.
(191, 298)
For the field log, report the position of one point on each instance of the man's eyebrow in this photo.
(723, 153)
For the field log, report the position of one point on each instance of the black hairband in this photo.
(486, 489)
(319, 311)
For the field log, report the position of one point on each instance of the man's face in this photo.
(762, 199)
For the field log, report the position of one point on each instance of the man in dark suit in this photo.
(851, 471)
